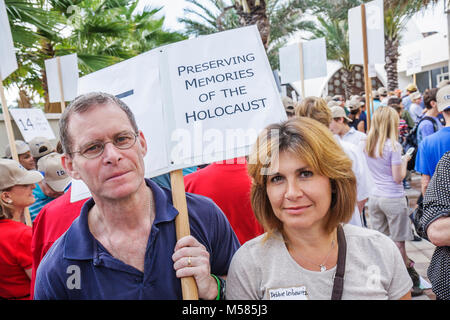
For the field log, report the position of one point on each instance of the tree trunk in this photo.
(256, 15)
(391, 50)
(24, 100)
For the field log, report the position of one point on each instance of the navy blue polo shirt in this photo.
(77, 266)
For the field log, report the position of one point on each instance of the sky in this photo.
(430, 20)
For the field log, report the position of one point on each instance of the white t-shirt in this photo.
(374, 270)
(364, 181)
(354, 136)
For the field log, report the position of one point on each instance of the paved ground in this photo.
(419, 251)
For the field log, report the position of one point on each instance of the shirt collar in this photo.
(80, 244)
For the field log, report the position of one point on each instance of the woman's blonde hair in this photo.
(383, 126)
(314, 144)
(315, 108)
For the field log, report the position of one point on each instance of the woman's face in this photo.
(300, 197)
(21, 195)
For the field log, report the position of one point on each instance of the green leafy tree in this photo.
(101, 32)
(276, 20)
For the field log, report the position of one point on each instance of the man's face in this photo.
(336, 125)
(116, 173)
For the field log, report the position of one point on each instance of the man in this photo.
(340, 126)
(123, 245)
(406, 99)
(376, 99)
(434, 146)
(382, 91)
(24, 154)
(228, 184)
(55, 182)
(429, 123)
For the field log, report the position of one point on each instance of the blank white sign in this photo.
(375, 33)
(69, 75)
(8, 62)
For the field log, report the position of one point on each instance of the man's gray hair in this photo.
(84, 103)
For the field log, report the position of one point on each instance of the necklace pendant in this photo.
(322, 268)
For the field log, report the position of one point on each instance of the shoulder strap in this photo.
(338, 285)
(435, 126)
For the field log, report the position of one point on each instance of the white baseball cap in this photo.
(55, 175)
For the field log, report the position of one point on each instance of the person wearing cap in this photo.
(340, 126)
(24, 154)
(55, 182)
(355, 104)
(382, 91)
(125, 237)
(415, 110)
(435, 145)
(376, 99)
(16, 185)
(406, 99)
(39, 147)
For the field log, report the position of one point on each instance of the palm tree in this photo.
(335, 33)
(284, 19)
(101, 32)
(396, 14)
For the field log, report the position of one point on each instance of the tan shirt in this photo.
(265, 270)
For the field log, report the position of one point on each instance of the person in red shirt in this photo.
(227, 183)
(51, 222)
(16, 194)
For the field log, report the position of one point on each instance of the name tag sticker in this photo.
(291, 293)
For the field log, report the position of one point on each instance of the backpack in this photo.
(411, 140)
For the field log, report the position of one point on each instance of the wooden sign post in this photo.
(61, 88)
(188, 284)
(302, 70)
(366, 66)
(11, 139)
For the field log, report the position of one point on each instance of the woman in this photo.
(388, 207)
(16, 193)
(303, 190)
(435, 226)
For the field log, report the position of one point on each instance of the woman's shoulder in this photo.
(261, 246)
(367, 239)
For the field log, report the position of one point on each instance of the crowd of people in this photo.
(318, 211)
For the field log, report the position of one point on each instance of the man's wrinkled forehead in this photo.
(83, 115)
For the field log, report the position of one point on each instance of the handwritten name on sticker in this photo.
(292, 293)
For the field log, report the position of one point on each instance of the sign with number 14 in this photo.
(32, 123)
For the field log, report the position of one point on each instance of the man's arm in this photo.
(439, 232)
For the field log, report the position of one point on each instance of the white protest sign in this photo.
(315, 58)
(375, 33)
(69, 77)
(8, 62)
(413, 63)
(223, 94)
(314, 61)
(196, 101)
(136, 82)
(32, 123)
(290, 63)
